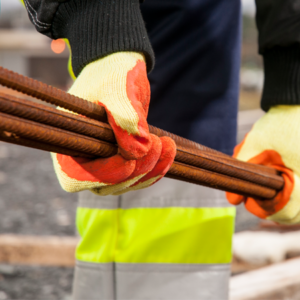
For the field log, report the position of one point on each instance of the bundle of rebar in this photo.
(88, 134)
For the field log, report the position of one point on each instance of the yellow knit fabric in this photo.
(72, 185)
(139, 186)
(279, 130)
(105, 80)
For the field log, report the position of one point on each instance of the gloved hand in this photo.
(274, 141)
(119, 83)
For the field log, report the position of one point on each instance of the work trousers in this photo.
(173, 240)
(170, 241)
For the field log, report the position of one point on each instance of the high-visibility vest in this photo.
(170, 241)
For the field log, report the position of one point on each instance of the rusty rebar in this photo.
(58, 137)
(50, 116)
(187, 151)
(50, 94)
(40, 113)
(12, 138)
(60, 98)
(35, 135)
(218, 181)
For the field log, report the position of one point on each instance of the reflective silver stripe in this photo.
(171, 267)
(88, 199)
(151, 281)
(94, 281)
(171, 202)
(165, 193)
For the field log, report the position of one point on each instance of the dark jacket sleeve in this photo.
(94, 28)
(278, 23)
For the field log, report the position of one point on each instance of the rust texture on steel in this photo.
(60, 98)
(12, 138)
(188, 152)
(218, 181)
(50, 116)
(64, 120)
(177, 171)
(58, 137)
(50, 94)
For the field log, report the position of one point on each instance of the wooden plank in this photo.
(261, 248)
(239, 266)
(38, 250)
(265, 282)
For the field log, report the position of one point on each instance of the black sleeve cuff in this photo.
(282, 77)
(97, 28)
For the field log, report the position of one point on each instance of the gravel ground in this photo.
(31, 200)
(35, 283)
(32, 203)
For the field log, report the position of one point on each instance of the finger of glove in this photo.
(142, 168)
(119, 82)
(266, 208)
(134, 142)
(163, 165)
(234, 199)
(77, 174)
(276, 131)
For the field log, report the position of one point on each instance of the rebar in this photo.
(50, 116)
(50, 94)
(12, 138)
(177, 171)
(85, 137)
(46, 115)
(60, 98)
(58, 137)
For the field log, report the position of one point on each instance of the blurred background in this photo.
(31, 200)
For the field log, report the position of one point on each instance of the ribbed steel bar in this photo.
(49, 116)
(58, 137)
(12, 138)
(60, 98)
(50, 94)
(46, 138)
(218, 181)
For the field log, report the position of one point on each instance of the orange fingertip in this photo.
(131, 146)
(234, 199)
(148, 162)
(165, 161)
(266, 208)
(110, 170)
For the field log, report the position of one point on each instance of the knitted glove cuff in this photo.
(282, 77)
(97, 28)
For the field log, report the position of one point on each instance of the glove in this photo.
(119, 83)
(273, 141)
